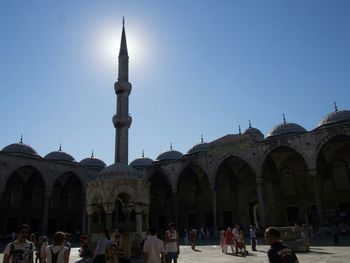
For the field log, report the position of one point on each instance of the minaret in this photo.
(122, 120)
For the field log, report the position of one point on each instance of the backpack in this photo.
(54, 255)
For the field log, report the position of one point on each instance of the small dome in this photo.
(286, 128)
(199, 148)
(20, 149)
(93, 163)
(169, 155)
(59, 156)
(335, 116)
(141, 162)
(254, 133)
(120, 171)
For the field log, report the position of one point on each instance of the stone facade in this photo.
(292, 175)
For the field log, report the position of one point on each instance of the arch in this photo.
(161, 199)
(288, 195)
(236, 195)
(283, 145)
(160, 171)
(22, 198)
(195, 196)
(227, 156)
(329, 137)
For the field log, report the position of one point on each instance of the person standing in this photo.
(20, 250)
(278, 253)
(99, 254)
(252, 234)
(124, 247)
(172, 248)
(56, 253)
(153, 248)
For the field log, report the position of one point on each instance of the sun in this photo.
(108, 45)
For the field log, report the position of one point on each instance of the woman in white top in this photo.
(56, 253)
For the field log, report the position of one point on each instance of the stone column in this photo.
(83, 220)
(89, 224)
(313, 173)
(109, 221)
(260, 192)
(45, 212)
(175, 198)
(214, 208)
(139, 223)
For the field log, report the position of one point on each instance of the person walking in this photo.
(278, 253)
(172, 247)
(56, 253)
(20, 250)
(153, 248)
(252, 234)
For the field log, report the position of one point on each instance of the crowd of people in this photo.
(116, 247)
(27, 248)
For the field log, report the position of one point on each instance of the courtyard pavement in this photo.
(320, 252)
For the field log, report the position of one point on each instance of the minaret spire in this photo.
(121, 119)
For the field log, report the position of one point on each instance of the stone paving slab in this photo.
(213, 254)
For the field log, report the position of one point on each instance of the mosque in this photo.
(290, 175)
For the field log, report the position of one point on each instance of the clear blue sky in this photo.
(197, 67)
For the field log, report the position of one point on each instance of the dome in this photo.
(169, 155)
(199, 148)
(121, 171)
(335, 116)
(93, 163)
(20, 149)
(254, 133)
(141, 162)
(59, 156)
(286, 128)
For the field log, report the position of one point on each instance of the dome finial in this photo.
(335, 106)
(60, 149)
(202, 141)
(143, 154)
(239, 129)
(284, 118)
(92, 153)
(250, 125)
(21, 141)
(171, 146)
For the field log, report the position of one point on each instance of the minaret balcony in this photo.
(121, 87)
(121, 121)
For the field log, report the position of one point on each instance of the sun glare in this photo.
(108, 44)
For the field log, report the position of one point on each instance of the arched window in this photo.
(288, 181)
(340, 175)
(16, 195)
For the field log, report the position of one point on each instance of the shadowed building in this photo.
(288, 176)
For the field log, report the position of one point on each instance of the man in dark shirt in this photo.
(278, 253)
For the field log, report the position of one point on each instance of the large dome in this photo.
(93, 163)
(169, 155)
(335, 116)
(20, 149)
(286, 128)
(59, 156)
(120, 171)
(141, 162)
